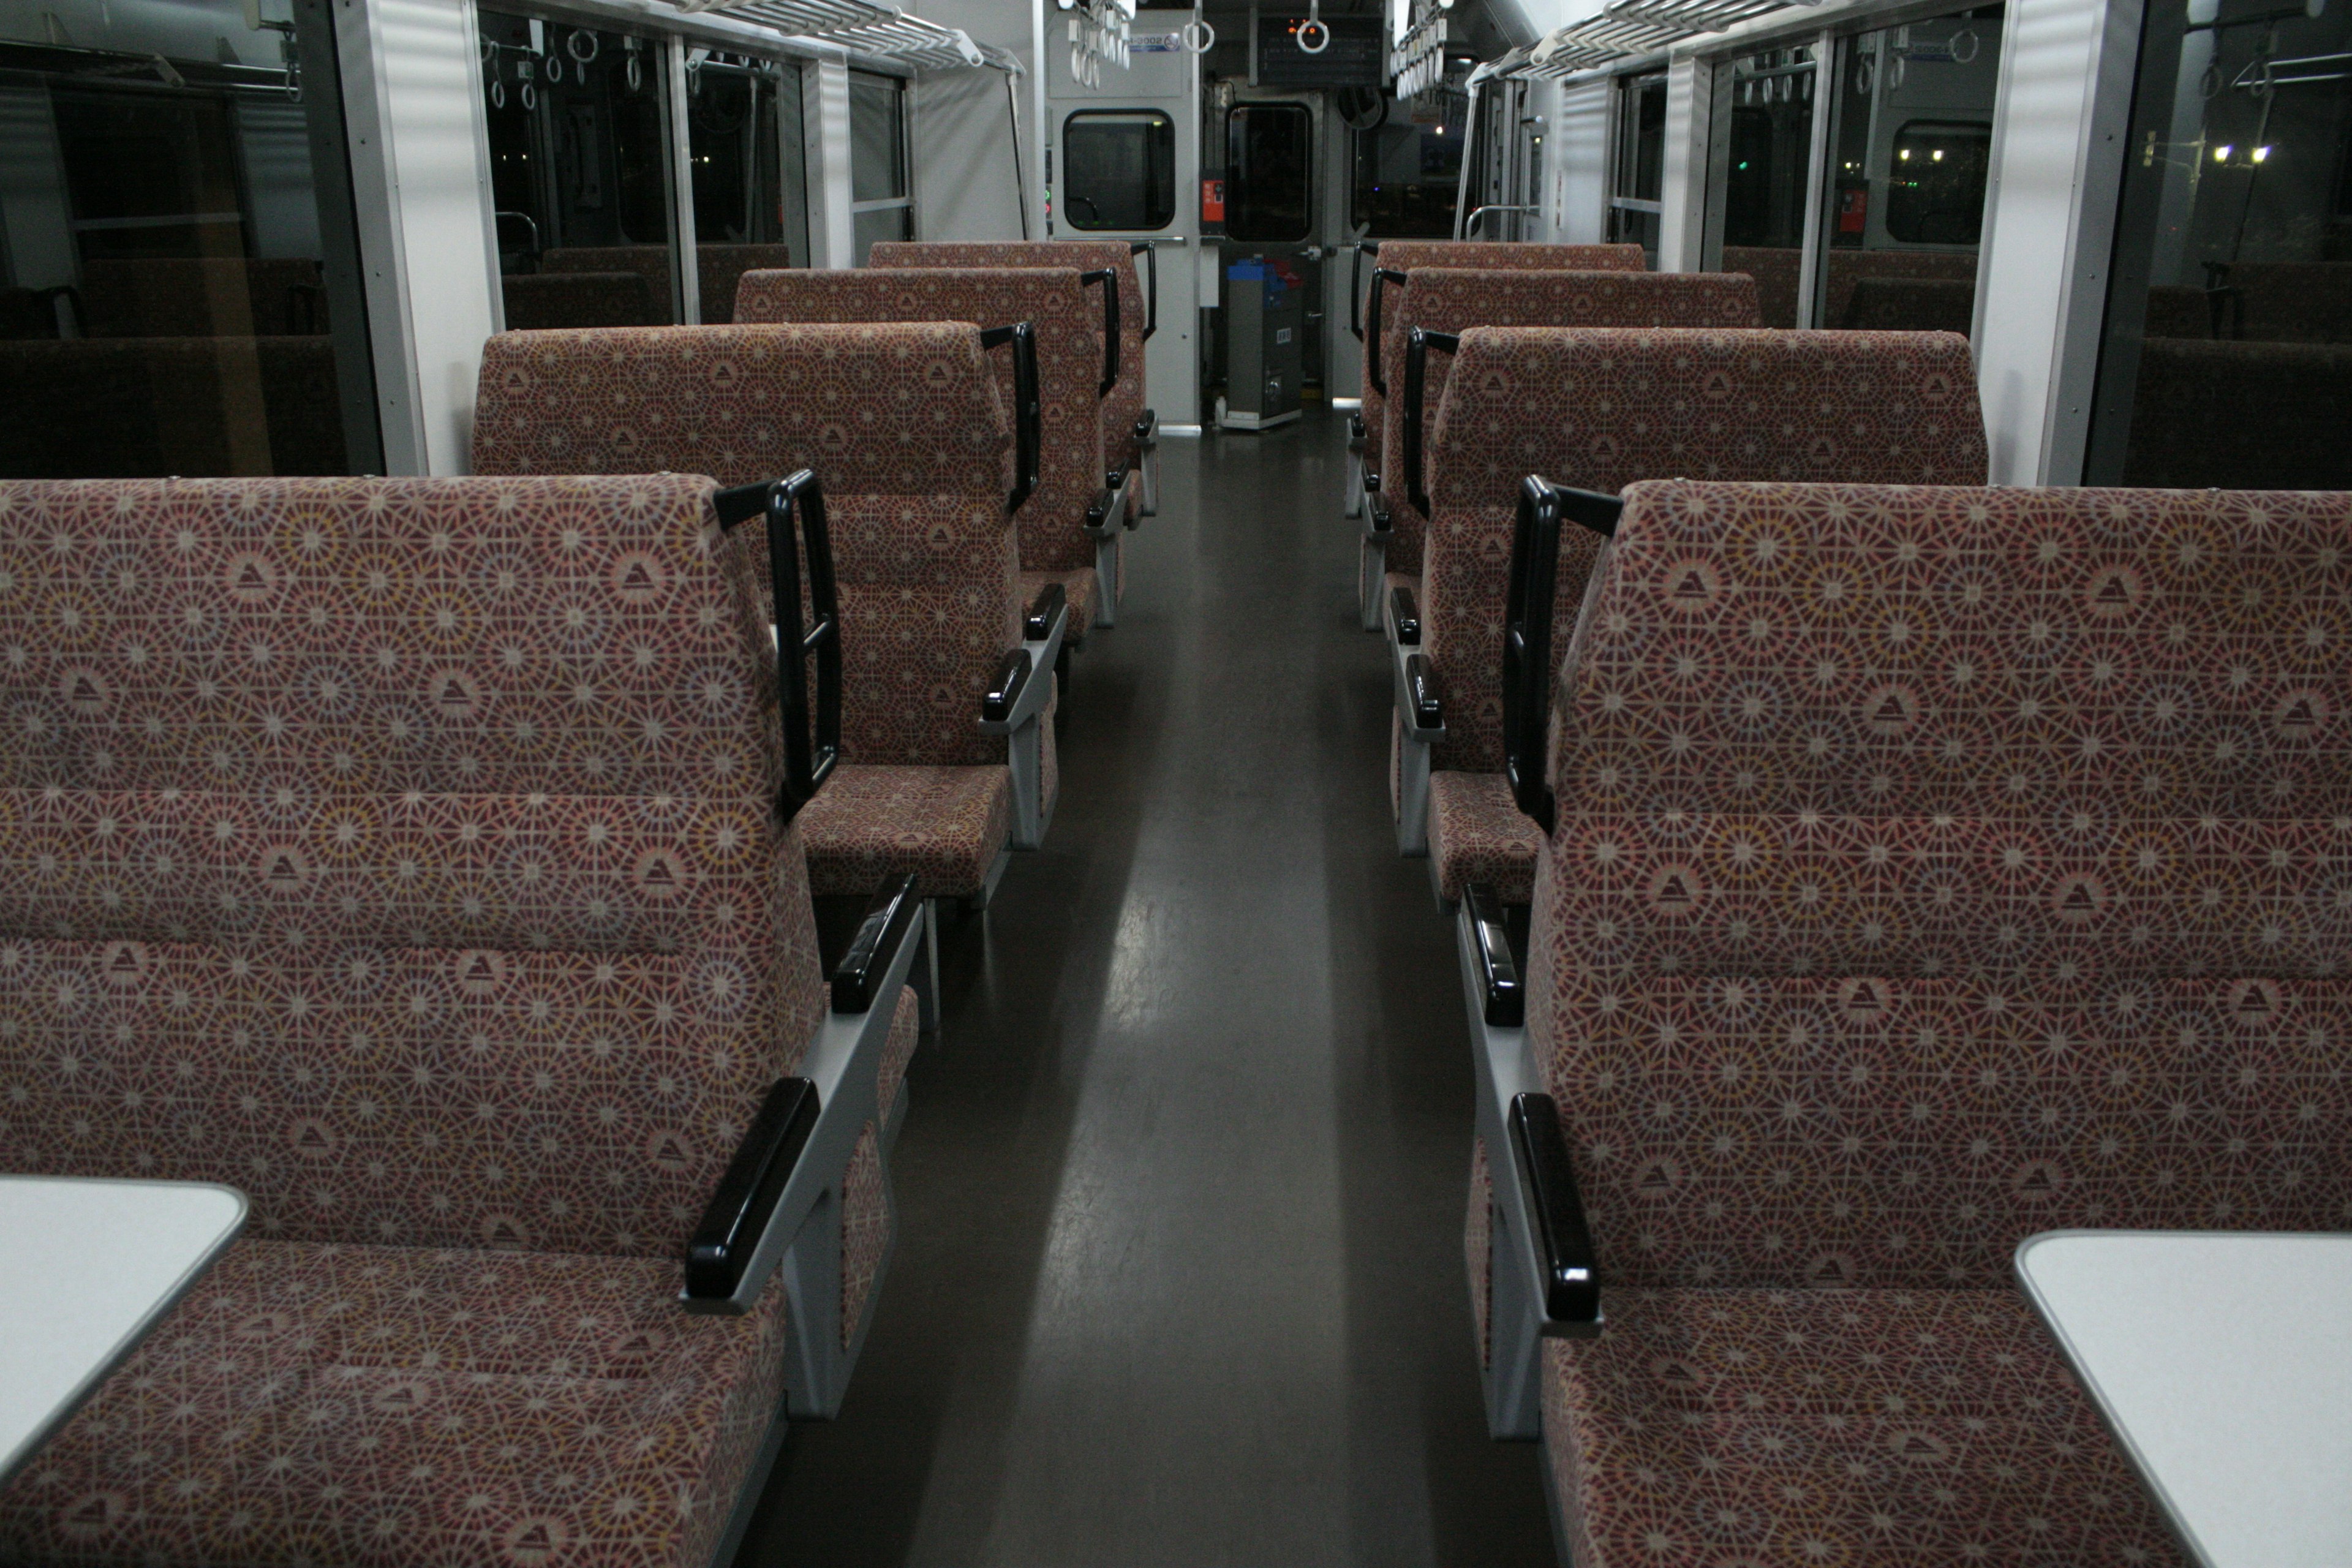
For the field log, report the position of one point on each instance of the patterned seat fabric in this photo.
(401, 852)
(1126, 403)
(719, 267)
(1055, 545)
(1450, 300)
(650, 262)
(904, 428)
(1936, 867)
(1596, 409)
(1406, 256)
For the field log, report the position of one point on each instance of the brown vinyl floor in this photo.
(1178, 1275)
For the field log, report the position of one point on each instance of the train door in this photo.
(1277, 153)
(1121, 161)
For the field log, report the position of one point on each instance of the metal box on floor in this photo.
(1263, 350)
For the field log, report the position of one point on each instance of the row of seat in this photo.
(424, 858)
(1857, 869)
(440, 863)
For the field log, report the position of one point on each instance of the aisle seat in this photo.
(1071, 524)
(1130, 430)
(415, 856)
(1934, 868)
(1592, 410)
(903, 426)
(1392, 262)
(1451, 300)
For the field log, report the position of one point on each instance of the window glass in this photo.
(877, 142)
(1638, 179)
(1910, 134)
(1409, 173)
(1267, 163)
(1118, 169)
(2227, 357)
(579, 173)
(742, 121)
(1762, 161)
(180, 285)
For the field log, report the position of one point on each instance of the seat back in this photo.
(1775, 268)
(204, 296)
(719, 267)
(1068, 317)
(1911, 305)
(399, 851)
(650, 262)
(539, 302)
(901, 423)
(1453, 300)
(1936, 867)
(1596, 409)
(2208, 412)
(1135, 307)
(1406, 256)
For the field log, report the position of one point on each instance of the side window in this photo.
(1268, 159)
(743, 142)
(1638, 177)
(1937, 191)
(1118, 169)
(881, 187)
(1758, 178)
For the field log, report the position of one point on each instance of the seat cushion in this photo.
(314, 1404)
(870, 823)
(1867, 1428)
(1079, 583)
(1478, 834)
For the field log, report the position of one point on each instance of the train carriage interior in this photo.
(1098, 783)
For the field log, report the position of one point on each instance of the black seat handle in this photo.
(812, 738)
(1150, 253)
(1356, 285)
(1418, 342)
(1526, 628)
(1372, 326)
(1027, 433)
(1109, 281)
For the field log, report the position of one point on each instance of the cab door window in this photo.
(1118, 169)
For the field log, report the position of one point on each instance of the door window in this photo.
(882, 204)
(579, 173)
(1268, 167)
(743, 133)
(1638, 178)
(2226, 353)
(1118, 169)
(1909, 144)
(1758, 185)
(1408, 172)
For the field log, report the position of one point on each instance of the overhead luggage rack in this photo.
(867, 28)
(1623, 29)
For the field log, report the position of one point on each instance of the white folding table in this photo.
(2223, 1363)
(86, 1267)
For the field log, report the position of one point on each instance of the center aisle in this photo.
(1179, 1278)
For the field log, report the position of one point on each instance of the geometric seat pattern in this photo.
(907, 433)
(401, 852)
(1596, 409)
(1409, 256)
(1125, 405)
(1054, 546)
(1935, 867)
(1452, 299)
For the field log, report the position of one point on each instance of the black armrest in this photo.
(1355, 281)
(1416, 377)
(753, 1183)
(1109, 281)
(997, 702)
(1526, 628)
(1421, 691)
(812, 738)
(1037, 621)
(888, 918)
(1571, 1278)
(1372, 327)
(1028, 430)
(1150, 254)
(1098, 509)
(1505, 1004)
(1405, 615)
(1376, 508)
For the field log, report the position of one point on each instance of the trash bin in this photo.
(1264, 348)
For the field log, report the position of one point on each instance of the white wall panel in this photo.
(413, 100)
(1579, 146)
(2057, 156)
(965, 185)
